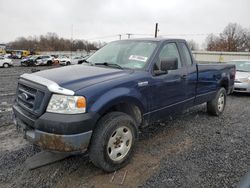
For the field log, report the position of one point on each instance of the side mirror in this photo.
(169, 64)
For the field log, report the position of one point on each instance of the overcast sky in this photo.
(102, 18)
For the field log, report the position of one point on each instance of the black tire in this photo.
(68, 63)
(49, 63)
(107, 128)
(215, 106)
(6, 65)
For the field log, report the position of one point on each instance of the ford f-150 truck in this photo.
(100, 105)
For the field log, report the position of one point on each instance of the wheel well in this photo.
(128, 108)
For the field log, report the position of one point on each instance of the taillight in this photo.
(234, 73)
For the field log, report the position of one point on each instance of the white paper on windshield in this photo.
(138, 58)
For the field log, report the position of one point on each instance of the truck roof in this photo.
(156, 39)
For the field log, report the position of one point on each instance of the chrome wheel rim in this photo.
(119, 143)
(5, 65)
(221, 102)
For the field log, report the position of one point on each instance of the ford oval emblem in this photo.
(25, 96)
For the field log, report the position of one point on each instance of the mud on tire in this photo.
(115, 132)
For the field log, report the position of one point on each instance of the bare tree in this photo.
(234, 38)
(193, 45)
(50, 42)
(248, 41)
(212, 42)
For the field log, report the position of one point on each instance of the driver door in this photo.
(167, 92)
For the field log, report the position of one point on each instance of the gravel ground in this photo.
(190, 150)
(220, 152)
(8, 82)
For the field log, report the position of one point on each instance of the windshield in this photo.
(126, 54)
(243, 66)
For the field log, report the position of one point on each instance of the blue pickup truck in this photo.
(100, 105)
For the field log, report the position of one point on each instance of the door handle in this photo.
(184, 77)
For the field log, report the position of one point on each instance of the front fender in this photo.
(116, 96)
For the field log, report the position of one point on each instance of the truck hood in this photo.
(77, 77)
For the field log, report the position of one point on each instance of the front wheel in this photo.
(113, 141)
(5, 65)
(217, 105)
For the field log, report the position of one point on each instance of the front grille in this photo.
(26, 96)
(31, 98)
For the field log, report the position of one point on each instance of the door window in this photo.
(186, 54)
(170, 50)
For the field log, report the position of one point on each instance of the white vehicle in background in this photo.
(7, 56)
(5, 62)
(78, 59)
(242, 77)
(83, 59)
(44, 60)
(63, 60)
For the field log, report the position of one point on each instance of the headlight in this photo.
(64, 104)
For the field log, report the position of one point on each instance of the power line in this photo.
(143, 34)
(103, 37)
(189, 34)
(147, 34)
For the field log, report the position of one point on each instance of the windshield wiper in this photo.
(109, 65)
(85, 61)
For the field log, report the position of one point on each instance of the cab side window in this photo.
(170, 50)
(186, 53)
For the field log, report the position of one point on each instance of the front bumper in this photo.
(62, 63)
(61, 143)
(242, 87)
(56, 132)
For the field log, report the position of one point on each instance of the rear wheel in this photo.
(113, 141)
(217, 105)
(5, 65)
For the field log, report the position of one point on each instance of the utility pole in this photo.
(120, 37)
(129, 34)
(156, 30)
